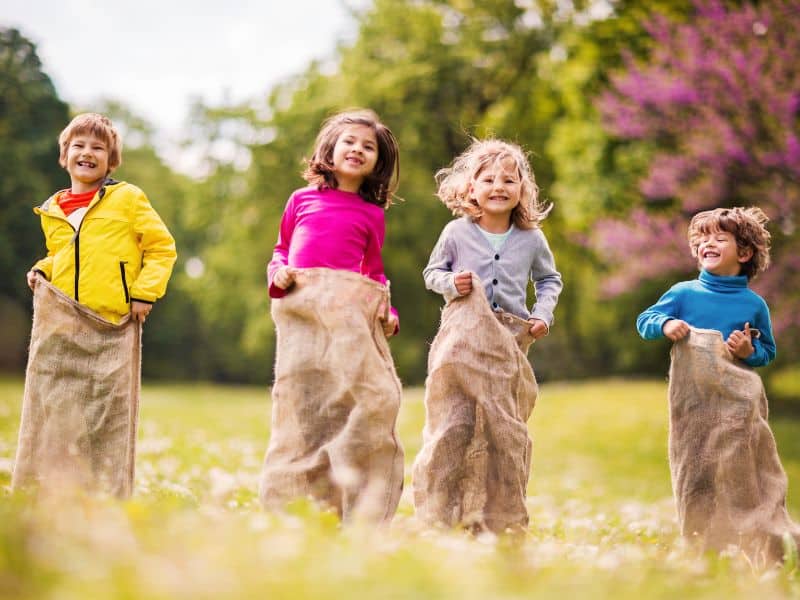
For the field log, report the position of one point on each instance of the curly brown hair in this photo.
(454, 182)
(379, 186)
(97, 125)
(747, 225)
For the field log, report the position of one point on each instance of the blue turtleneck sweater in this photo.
(724, 303)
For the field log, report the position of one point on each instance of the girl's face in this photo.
(497, 189)
(719, 254)
(87, 162)
(354, 156)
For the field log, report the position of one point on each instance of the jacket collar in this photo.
(52, 204)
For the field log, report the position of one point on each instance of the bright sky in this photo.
(157, 55)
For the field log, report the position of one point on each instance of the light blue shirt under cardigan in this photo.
(496, 239)
(525, 256)
(724, 303)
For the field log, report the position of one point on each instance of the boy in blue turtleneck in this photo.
(731, 246)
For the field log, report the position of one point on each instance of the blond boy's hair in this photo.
(97, 125)
(454, 181)
(747, 225)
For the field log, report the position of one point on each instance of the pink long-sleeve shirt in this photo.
(329, 228)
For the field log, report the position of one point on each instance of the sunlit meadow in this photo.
(602, 519)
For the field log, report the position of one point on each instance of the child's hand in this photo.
(140, 310)
(31, 276)
(463, 282)
(284, 277)
(675, 329)
(740, 343)
(389, 325)
(538, 328)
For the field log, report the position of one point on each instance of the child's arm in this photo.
(463, 282)
(140, 310)
(675, 329)
(31, 277)
(754, 351)
(547, 285)
(45, 265)
(538, 328)
(662, 319)
(158, 254)
(740, 343)
(438, 274)
(279, 276)
(283, 277)
(372, 267)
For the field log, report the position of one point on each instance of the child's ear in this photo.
(745, 254)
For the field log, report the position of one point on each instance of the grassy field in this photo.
(602, 518)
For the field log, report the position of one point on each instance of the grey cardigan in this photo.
(505, 273)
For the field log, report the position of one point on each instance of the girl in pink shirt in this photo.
(336, 395)
(338, 220)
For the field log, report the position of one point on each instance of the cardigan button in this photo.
(494, 281)
(494, 304)
(497, 257)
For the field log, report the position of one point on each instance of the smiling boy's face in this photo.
(718, 253)
(87, 162)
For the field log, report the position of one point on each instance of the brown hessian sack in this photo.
(81, 400)
(475, 460)
(728, 482)
(335, 399)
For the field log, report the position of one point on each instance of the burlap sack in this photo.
(81, 400)
(728, 482)
(335, 399)
(474, 464)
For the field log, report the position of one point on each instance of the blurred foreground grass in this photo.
(602, 519)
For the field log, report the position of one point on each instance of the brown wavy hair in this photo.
(97, 125)
(454, 182)
(748, 226)
(379, 186)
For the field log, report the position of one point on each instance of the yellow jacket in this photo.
(121, 251)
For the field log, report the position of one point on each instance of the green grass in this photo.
(602, 519)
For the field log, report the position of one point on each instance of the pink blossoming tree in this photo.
(719, 100)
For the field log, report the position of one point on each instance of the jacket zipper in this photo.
(77, 260)
(124, 281)
(77, 241)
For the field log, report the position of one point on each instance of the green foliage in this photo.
(602, 517)
(31, 117)
(453, 70)
(712, 106)
(437, 72)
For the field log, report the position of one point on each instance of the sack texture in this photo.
(335, 399)
(81, 400)
(474, 464)
(728, 482)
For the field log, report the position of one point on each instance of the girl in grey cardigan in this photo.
(473, 468)
(492, 188)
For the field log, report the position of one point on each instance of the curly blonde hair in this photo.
(748, 226)
(454, 182)
(97, 125)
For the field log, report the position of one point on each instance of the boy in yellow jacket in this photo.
(107, 247)
(109, 257)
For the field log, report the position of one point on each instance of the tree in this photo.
(452, 70)
(715, 106)
(31, 117)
